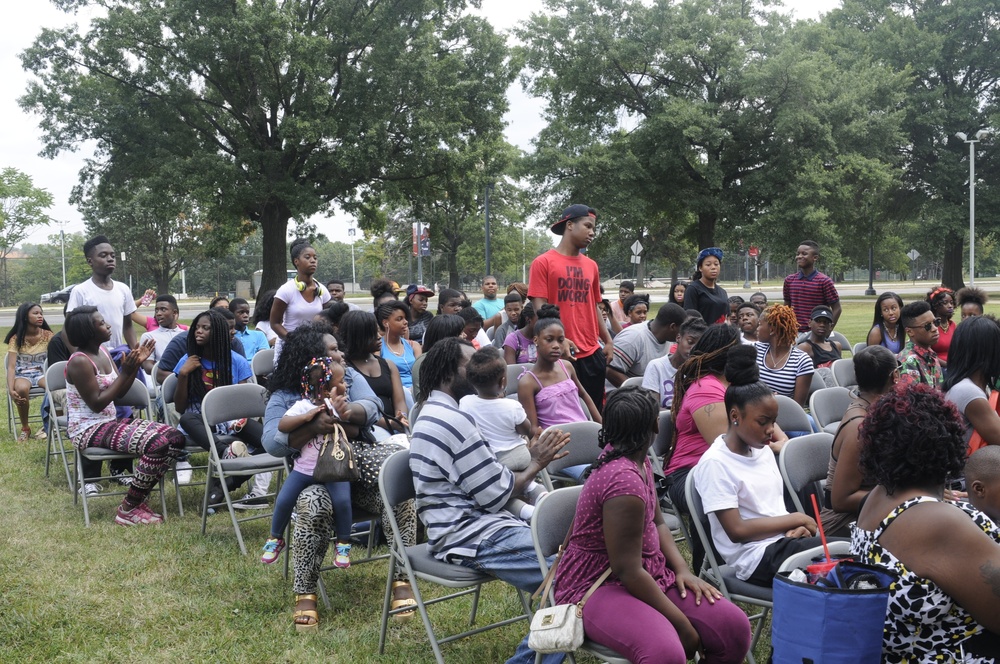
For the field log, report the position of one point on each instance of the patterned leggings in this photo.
(315, 516)
(155, 443)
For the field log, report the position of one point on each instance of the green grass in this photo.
(168, 593)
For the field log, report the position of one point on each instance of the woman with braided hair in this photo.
(942, 301)
(651, 608)
(783, 367)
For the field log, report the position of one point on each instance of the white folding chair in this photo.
(635, 381)
(845, 345)
(804, 461)
(583, 450)
(723, 576)
(395, 483)
(33, 393)
(224, 404)
(137, 398)
(552, 519)
(172, 418)
(262, 364)
(843, 373)
(858, 347)
(828, 407)
(55, 380)
(791, 416)
(514, 372)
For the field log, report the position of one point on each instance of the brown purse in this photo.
(336, 462)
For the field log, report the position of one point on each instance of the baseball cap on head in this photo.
(571, 213)
(821, 311)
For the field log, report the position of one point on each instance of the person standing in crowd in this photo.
(567, 278)
(918, 361)
(297, 301)
(703, 294)
(626, 289)
(337, 291)
(971, 301)
(886, 330)
(253, 340)
(640, 344)
(416, 299)
(809, 288)
(942, 301)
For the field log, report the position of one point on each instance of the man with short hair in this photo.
(489, 306)
(808, 288)
(660, 374)
(512, 305)
(625, 290)
(919, 364)
(461, 488)
(759, 299)
(337, 290)
(565, 277)
(638, 345)
(112, 298)
(252, 340)
(165, 312)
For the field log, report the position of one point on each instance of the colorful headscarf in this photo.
(705, 253)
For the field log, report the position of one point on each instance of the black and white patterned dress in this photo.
(923, 624)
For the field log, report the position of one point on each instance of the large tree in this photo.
(265, 110)
(22, 208)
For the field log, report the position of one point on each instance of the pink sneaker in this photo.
(272, 549)
(140, 515)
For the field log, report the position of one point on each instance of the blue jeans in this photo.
(509, 555)
(340, 493)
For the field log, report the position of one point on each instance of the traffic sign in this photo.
(636, 259)
(754, 251)
(636, 249)
(913, 254)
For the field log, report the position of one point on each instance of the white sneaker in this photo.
(184, 472)
(261, 484)
(91, 489)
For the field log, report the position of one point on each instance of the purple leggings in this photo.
(634, 629)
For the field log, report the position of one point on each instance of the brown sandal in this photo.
(306, 620)
(402, 616)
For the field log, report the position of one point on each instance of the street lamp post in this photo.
(354, 275)
(486, 206)
(972, 199)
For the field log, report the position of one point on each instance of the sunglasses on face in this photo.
(927, 326)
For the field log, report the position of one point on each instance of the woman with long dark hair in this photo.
(886, 330)
(359, 331)
(26, 360)
(973, 372)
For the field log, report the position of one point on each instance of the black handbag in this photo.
(336, 462)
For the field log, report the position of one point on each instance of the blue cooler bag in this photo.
(837, 621)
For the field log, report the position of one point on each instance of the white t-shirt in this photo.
(162, 337)
(265, 327)
(113, 304)
(497, 420)
(751, 484)
(962, 394)
(297, 310)
(635, 347)
(659, 377)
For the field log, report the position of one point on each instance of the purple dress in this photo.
(558, 403)
(586, 556)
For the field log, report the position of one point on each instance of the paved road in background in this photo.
(190, 308)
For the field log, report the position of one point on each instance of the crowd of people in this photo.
(400, 375)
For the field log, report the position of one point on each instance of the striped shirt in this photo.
(782, 380)
(805, 292)
(461, 488)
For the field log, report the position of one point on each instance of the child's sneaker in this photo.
(272, 549)
(343, 559)
(236, 450)
(139, 515)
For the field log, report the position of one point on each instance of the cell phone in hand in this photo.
(330, 409)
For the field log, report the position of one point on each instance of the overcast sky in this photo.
(19, 139)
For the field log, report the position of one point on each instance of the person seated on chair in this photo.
(360, 333)
(211, 362)
(503, 422)
(26, 359)
(820, 348)
(165, 313)
(651, 608)
(644, 342)
(315, 507)
(92, 385)
(660, 373)
(740, 485)
(252, 340)
(945, 606)
(875, 368)
(519, 346)
(973, 374)
(982, 480)
(461, 487)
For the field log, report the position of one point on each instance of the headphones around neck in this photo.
(301, 285)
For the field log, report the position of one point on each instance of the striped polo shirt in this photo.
(805, 292)
(461, 487)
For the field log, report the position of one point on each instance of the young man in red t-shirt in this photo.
(568, 279)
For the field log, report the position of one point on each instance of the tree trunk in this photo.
(706, 229)
(951, 266)
(274, 223)
(453, 280)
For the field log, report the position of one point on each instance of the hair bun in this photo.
(741, 365)
(548, 311)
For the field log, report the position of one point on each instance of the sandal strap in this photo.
(312, 596)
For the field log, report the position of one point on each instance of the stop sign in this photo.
(754, 251)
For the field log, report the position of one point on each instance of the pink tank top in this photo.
(79, 416)
(558, 403)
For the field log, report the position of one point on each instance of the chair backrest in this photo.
(829, 405)
(702, 528)
(55, 378)
(634, 381)
(817, 383)
(802, 461)
(552, 519)
(262, 363)
(168, 387)
(858, 347)
(803, 558)
(582, 447)
(791, 417)
(661, 443)
(843, 373)
(233, 402)
(136, 397)
(514, 372)
(845, 345)
(395, 482)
